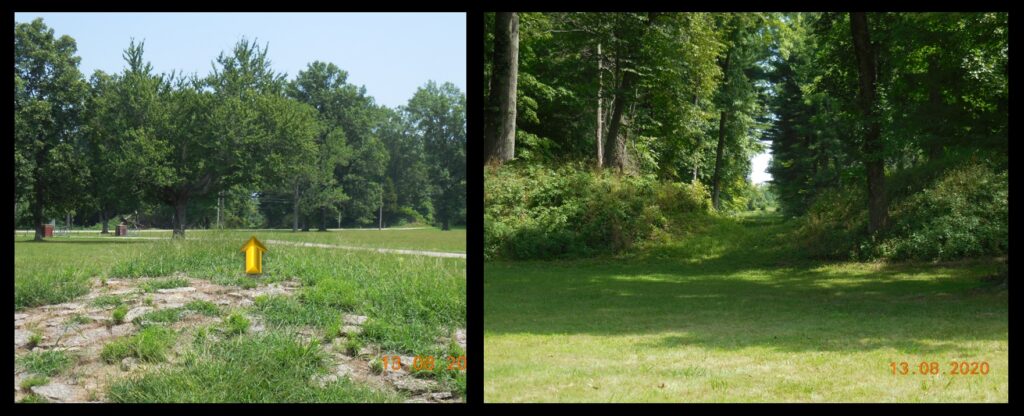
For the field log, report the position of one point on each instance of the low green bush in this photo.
(537, 212)
(963, 213)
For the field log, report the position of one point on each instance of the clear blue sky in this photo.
(392, 54)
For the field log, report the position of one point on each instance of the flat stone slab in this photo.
(87, 337)
(57, 392)
(122, 330)
(354, 319)
(417, 400)
(367, 350)
(177, 290)
(136, 312)
(349, 330)
(412, 385)
(21, 337)
(442, 396)
(460, 337)
(69, 305)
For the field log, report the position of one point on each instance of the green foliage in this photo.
(107, 300)
(171, 315)
(151, 344)
(49, 99)
(32, 381)
(377, 366)
(964, 214)
(34, 398)
(353, 345)
(835, 223)
(285, 310)
(79, 319)
(34, 340)
(50, 286)
(236, 324)
(268, 368)
(118, 314)
(438, 114)
(538, 212)
(336, 293)
(203, 307)
(50, 362)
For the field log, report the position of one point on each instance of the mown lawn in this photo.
(415, 238)
(733, 315)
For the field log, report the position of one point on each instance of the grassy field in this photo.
(431, 239)
(731, 315)
(409, 303)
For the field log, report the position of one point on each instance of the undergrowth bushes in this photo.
(962, 213)
(537, 212)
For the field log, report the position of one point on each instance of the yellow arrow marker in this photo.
(253, 256)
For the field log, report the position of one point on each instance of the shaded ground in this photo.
(733, 314)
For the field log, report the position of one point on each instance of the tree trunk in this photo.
(323, 219)
(600, 85)
(37, 217)
(295, 209)
(617, 156)
(716, 188)
(723, 120)
(305, 222)
(104, 217)
(505, 71)
(39, 193)
(878, 216)
(179, 217)
(935, 148)
(617, 148)
(445, 225)
(696, 163)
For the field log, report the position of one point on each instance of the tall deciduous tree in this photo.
(439, 116)
(500, 127)
(48, 103)
(322, 86)
(873, 148)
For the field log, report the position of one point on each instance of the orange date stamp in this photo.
(423, 363)
(932, 368)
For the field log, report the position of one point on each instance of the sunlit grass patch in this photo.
(49, 362)
(267, 368)
(151, 344)
(749, 325)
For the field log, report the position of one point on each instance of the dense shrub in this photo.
(536, 212)
(834, 224)
(962, 213)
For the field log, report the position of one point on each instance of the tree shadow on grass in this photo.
(748, 293)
